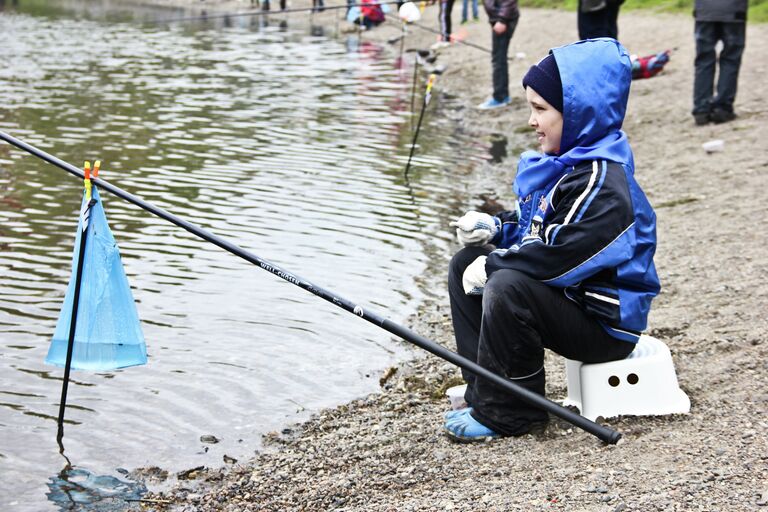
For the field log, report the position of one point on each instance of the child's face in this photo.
(546, 120)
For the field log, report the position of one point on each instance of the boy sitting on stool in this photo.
(573, 266)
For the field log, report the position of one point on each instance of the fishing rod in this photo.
(266, 13)
(606, 434)
(85, 215)
(460, 41)
(424, 103)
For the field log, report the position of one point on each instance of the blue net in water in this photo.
(108, 333)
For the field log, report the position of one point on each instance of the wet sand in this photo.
(387, 452)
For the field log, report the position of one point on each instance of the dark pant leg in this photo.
(707, 35)
(446, 6)
(602, 23)
(466, 310)
(500, 71)
(520, 318)
(733, 37)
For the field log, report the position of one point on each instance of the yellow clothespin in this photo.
(96, 166)
(431, 82)
(87, 180)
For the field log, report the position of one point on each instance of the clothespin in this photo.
(87, 180)
(96, 166)
(430, 83)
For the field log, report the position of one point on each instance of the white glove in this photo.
(474, 277)
(475, 228)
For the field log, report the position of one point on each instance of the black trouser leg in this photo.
(500, 70)
(466, 310)
(707, 35)
(519, 318)
(446, 6)
(602, 23)
(733, 37)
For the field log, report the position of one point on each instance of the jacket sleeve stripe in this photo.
(583, 195)
(597, 296)
(603, 172)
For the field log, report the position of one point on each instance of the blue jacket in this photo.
(582, 223)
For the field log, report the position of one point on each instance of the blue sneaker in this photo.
(456, 413)
(466, 429)
(492, 103)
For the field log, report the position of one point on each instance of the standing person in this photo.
(465, 11)
(573, 270)
(503, 16)
(717, 20)
(598, 18)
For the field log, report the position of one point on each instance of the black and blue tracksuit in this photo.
(573, 266)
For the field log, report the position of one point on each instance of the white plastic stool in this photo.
(643, 384)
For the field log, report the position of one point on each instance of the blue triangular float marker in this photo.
(108, 332)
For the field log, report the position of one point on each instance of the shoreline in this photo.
(386, 452)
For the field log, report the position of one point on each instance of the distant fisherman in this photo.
(572, 269)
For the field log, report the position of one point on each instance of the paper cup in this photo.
(713, 145)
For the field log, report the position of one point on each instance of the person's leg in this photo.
(448, 18)
(445, 19)
(475, 13)
(705, 33)
(500, 73)
(466, 310)
(593, 24)
(612, 19)
(521, 316)
(464, 10)
(733, 37)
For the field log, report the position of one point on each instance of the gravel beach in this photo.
(386, 452)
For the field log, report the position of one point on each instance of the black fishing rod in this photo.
(424, 103)
(459, 41)
(435, 31)
(240, 14)
(85, 215)
(604, 433)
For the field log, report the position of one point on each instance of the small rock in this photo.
(209, 439)
(763, 499)
(229, 460)
(190, 474)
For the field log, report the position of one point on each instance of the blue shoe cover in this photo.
(456, 413)
(465, 428)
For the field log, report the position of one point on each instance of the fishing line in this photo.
(263, 13)
(606, 434)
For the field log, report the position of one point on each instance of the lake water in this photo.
(286, 138)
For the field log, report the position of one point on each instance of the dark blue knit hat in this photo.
(544, 78)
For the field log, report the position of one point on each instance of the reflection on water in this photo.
(498, 149)
(287, 142)
(78, 489)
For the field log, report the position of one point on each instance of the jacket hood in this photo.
(596, 75)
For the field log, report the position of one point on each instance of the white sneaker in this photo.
(440, 45)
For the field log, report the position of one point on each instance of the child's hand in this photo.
(499, 28)
(475, 228)
(474, 277)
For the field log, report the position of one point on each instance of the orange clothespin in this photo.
(96, 166)
(87, 180)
